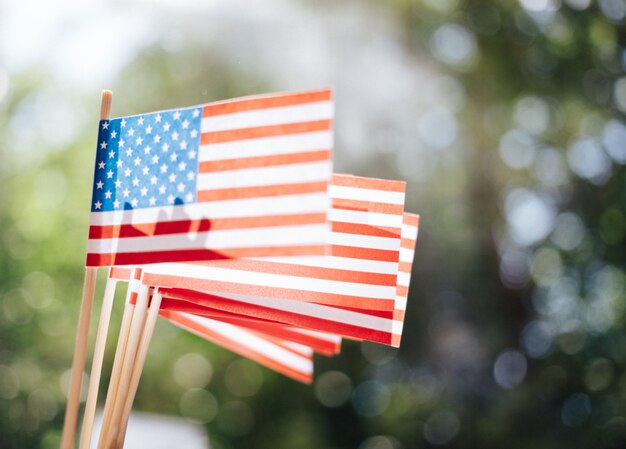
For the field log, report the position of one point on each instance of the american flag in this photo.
(244, 177)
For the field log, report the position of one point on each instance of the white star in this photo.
(193, 133)
(134, 202)
(163, 168)
(118, 183)
(192, 154)
(182, 166)
(123, 123)
(196, 113)
(155, 159)
(191, 175)
(103, 145)
(144, 191)
(135, 181)
(185, 124)
(162, 189)
(189, 197)
(170, 198)
(113, 134)
(129, 152)
(131, 132)
(152, 201)
(101, 165)
(110, 174)
(176, 115)
(153, 180)
(157, 138)
(172, 177)
(121, 143)
(148, 129)
(127, 172)
(119, 163)
(140, 121)
(116, 204)
(98, 205)
(147, 149)
(99, 184)
(165, 147)
(183, 145)
(126, 192)
(158, 118)
(138, 141)
(145, 170)
(181, 187)
(137, 161)
(107, 194)
(174, 135)
(173, 157)
(166, 127)
(105, 125)
(111, 154)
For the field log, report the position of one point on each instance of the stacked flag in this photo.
(226, 220)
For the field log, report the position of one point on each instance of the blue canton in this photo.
(148, 160)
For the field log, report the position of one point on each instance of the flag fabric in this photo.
(243, 177)
(381, 326)
(360, 270)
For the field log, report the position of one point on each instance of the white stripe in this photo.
(408, 232)
(396, 327)
(267, 146)
(269, 116)
(406, 255)
(218, 274)
(404, 279)
(320, 311)
(364, 241)
(263, 176)
(367, 218)
(300, 348)
(266, 206)
(333, 338)
(342, 263)
(231, 238)
(359, 194)
(400, 303)
(253, 342)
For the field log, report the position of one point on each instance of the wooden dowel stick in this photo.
(78, 363)
(96, 364)
(140, 361)
(108, 435)
(118, 362)
(82, 332)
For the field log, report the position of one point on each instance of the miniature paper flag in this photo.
(243, 177)
(362, 324)
(359, 272)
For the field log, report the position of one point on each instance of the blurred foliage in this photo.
(515, 330)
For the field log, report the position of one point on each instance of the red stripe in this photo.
(202, 225)
(237, 348)
(261, 191)
(304, 271)
(241, 288)
(119, 273)
(370, 206)
(263, 161)
(273, 101)
(363, 229)
(141, 258)
(369, 183)
(411, 220)
(305, 321)
(264, 131)
(407, 244)
(384, 255)
(405, 267)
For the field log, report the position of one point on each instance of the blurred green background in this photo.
(506, 118)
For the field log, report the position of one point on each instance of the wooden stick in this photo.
(78, 363)
(82, 333)
(140, 360)
(96, 364)
(108, 436)
(118, 362)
